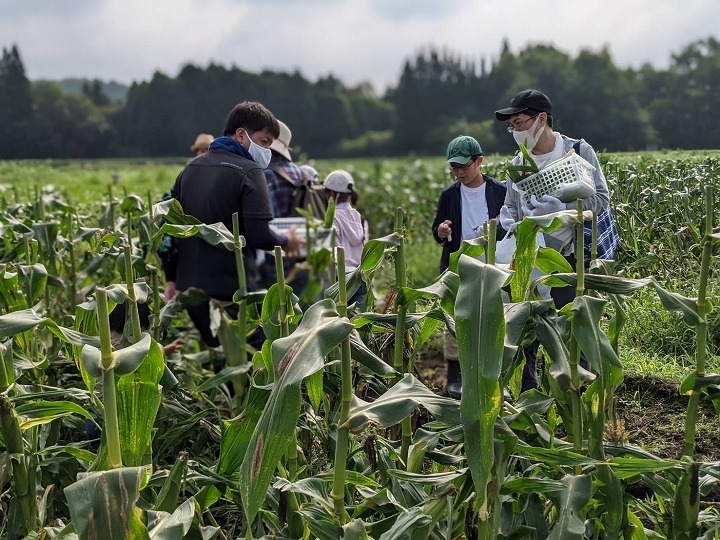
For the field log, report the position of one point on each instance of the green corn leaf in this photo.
(139, 397)
(168, 496)
(38, 413)
(480, 331)
(165, 526)
(398, 403)
(355, 530)
(629, 467)
(320, 522)
(443, 289)
(531, 485)
(598, 282)
(472, 248)
(172, 211)
(527, 156)
(103, 504)
(687, 307)
(686, 504)
(36, 278)
(133, 205)
(216, 234)
(570, 503)
(294, 357)
(363, 355)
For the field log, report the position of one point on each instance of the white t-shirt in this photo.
(554, 154)
(473, 203)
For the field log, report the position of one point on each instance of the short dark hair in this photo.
(252, 116)
(533, 113)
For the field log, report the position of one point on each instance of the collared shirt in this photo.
(280, 191)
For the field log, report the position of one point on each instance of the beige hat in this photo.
(202, 141)
(282, 144)
(340, 181)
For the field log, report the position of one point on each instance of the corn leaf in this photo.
(38, 413)
(103, 504)
(138, 401)
(570, 503)
(294, 357)
(398, 403)
(480, 331)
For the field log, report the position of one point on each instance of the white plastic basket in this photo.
(563, 172)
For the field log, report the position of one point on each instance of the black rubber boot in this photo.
(453, 388)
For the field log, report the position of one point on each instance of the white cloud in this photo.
(354, 39)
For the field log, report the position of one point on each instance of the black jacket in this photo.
(211, 188)
(449, 207)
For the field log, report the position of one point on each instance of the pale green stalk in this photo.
(111, 208)
(577, 425)
(401, 310)
(135, 328)
(282, 293)
(112, 427)
(72, 277)
(239, 382)
(295, 525)
(341, 447)
(491, 240)
(701, 335)
(23, 479)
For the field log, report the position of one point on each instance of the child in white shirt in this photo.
(348, 225)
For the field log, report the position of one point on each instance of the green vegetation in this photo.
(438, 95)
(325, 431)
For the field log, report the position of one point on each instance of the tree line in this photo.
(439, 95)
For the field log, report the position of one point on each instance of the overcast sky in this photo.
(356, 40)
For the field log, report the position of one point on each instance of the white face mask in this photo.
(259, 154)
(528, 137)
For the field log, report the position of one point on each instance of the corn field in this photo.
(324, 430)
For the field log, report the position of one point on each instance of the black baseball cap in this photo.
(531, 99)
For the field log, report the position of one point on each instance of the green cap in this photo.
(462, 148)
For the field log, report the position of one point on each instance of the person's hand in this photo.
(292, 248)
(444, 230)
(506, 219)
(170, 291)
(175, 346)
(543, 205)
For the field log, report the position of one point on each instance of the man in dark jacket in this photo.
(227, 179)
(463, 209)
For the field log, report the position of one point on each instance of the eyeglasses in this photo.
(517, 126)
(458, 167)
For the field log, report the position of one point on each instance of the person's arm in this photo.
(441, 220)
(259, 235)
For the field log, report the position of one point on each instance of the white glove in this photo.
(546, 204)
(507, 221)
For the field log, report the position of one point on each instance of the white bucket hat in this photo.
(282, 144)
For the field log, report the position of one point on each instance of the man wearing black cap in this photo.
(530, 121)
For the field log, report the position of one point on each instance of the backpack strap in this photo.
(281, 173)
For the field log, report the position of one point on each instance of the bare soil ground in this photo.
(651, 412)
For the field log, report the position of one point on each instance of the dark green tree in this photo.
(71, 125)
(15, 106)
(436, 88)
